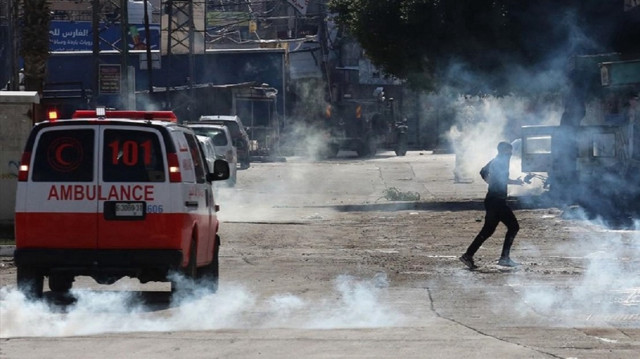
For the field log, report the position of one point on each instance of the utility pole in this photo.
(147, 36)
(124, 59)
(95, 28)
(184, 34)
(12, 14)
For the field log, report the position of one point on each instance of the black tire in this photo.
(373, 146)
(211, 272)
(333, 150)
(30, 281)
(190, 271)
(60, 283)
(401, 146)
(367, 147)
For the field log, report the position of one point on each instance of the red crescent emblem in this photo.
(59, 158)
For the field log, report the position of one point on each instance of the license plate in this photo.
(125, 211)
(135, 209)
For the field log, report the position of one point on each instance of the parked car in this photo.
(239, 135)
(209, 151)
(221, 139)
(130, 196)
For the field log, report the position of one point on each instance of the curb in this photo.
(7, 250)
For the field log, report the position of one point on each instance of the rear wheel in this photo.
(60, 283)
(368, 147)
(334, 148)
(210, 272)
(401, 146)
(192, 268)
(190, 271)
(30, 281)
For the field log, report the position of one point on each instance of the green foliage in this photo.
(425, 39)
(34, 46)
(394, 194)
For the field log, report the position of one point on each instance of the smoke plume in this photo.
(354, 303)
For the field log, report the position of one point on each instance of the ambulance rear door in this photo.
(135, 197)
(56, 205)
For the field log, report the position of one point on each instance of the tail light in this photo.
(174, 168)
(23, 171)
(52, 114)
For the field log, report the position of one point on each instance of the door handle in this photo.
(191, 204)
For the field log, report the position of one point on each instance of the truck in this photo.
(366, 125)
(592, 158)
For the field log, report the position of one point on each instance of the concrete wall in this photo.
(16, 111)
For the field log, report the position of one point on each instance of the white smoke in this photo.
(354, 303)
(607, 288)
(481, 122)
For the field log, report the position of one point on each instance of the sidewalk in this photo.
(7, 250)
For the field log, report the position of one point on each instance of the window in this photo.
(132, 156)
(196, 155)
(216, 135)
(64, 156)
(537, 145)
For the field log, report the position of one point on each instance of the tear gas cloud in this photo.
(607, 290)
(555, 91)
(307, 133)
(354, 303)
(609, 284)
(481, 122)
(480, 119)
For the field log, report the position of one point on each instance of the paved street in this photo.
(319, 261)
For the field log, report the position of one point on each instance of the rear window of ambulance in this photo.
(132, 156)
(64, 156)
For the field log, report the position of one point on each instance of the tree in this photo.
(34, 43)
(484, 37)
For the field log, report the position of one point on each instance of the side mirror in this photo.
(221, 171)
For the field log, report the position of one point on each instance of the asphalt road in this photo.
(340, 259)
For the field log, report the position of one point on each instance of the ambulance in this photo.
(113, 194)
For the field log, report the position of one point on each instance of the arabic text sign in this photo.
(109, 79)
(78, 36)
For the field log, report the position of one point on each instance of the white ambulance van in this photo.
(111, 194)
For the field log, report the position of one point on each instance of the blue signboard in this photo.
(78, 36)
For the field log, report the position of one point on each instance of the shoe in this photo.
(507, 262)
(468, 261)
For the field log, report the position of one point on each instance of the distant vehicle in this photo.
(128, 196)
(238, 132)
(220, 138)
(595, 149)
(209, 151)
(364, 125)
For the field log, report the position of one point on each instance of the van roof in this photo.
(207, 125)
(168, 116)
(220, 118)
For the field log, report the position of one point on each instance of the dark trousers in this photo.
(496, 211)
